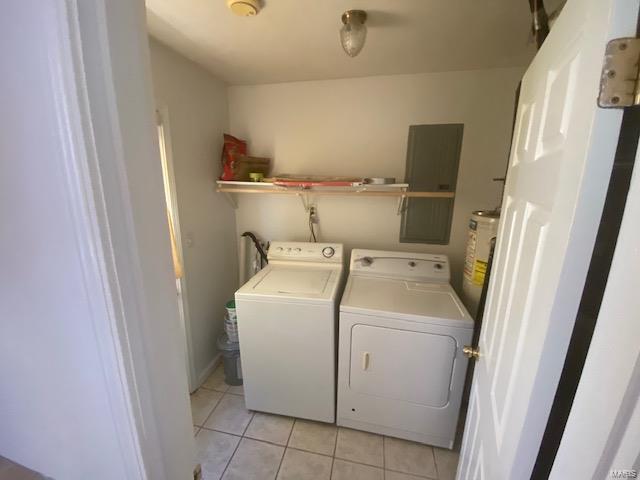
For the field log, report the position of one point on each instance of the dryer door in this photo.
(403, 365)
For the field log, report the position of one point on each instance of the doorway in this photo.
(161, 379)
(173, 220)
(560, 163)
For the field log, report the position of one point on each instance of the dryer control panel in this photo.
(418, 267)
(306, 252)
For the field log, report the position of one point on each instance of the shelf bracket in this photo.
(231, 200)
(402, 204)
(306, 202)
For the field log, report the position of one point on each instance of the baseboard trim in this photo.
(208, 370)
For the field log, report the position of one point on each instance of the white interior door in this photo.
(558, 174)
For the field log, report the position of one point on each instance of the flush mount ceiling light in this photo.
(354, 32)
(244, 8)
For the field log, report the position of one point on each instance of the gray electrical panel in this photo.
(433, 156)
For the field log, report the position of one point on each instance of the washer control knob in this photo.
(438, 266)
(279, 249)
(298, 250)
(328, 252)
(366, 261)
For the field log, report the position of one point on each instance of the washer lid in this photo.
(294, 282)
(435, 303)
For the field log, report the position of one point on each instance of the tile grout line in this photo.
(224, 392)
(218, 367)
(317, 453)
(211, 412)
(287, 445)
(267, 442)
(342, 459)
(202, 387)
(253, 414)
(310, 451)
(239, 442)
(384, 461)
(221, 431)
(285, 448)
(230, 458)
(350, 460)
(435, 463)
(333, 457)
(426, 477)
(293, 425)
(202, 427)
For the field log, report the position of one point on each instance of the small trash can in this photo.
(230, 360)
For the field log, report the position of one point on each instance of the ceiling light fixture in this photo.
(244, 8)
(354, 32)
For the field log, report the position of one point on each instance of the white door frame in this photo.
(66, 129)
(108, 74)
(603, 429)
(171, 191)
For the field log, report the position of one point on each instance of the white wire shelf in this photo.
(395, 190)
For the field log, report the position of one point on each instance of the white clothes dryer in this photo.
(287, 316)
(401, 369)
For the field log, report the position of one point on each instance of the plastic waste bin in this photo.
(230, 360)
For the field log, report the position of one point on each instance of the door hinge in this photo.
(620, 80)
(197, 472)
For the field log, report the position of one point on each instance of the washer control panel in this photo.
(328, 252)
(306, 252)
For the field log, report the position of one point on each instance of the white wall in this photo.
(359, 127)
(198, 116)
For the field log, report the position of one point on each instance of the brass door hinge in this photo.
(620, 80)
(197, 472)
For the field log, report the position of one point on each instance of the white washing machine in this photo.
(401, 369)
(287, 320)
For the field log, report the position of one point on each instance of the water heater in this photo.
(483, 226)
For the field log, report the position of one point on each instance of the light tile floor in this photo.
(234, 443)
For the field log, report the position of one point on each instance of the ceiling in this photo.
(292, 40)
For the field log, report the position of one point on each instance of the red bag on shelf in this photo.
(232, 148)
